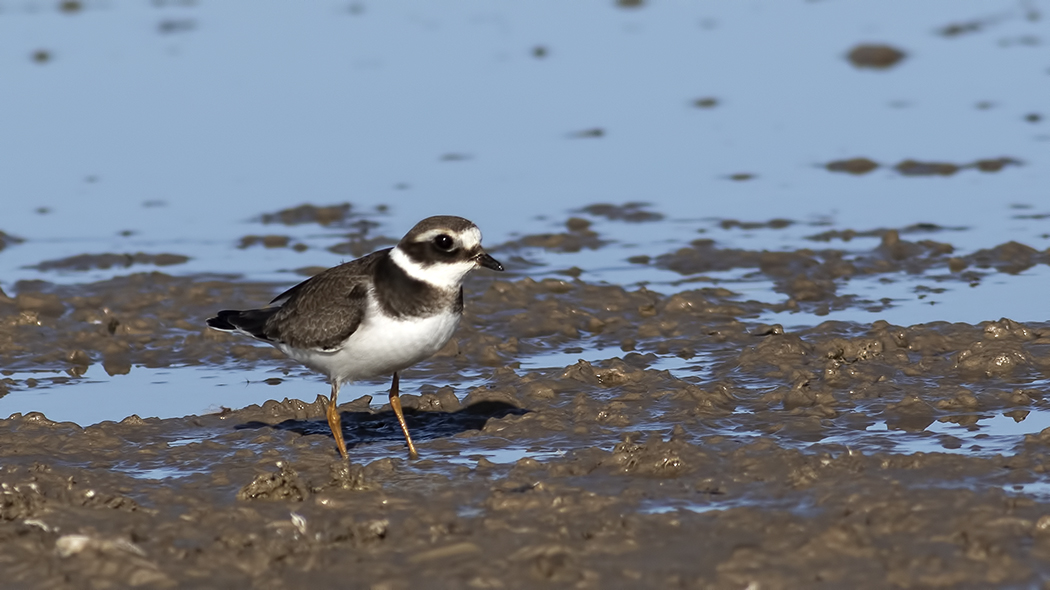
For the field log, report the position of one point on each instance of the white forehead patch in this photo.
(471, 238)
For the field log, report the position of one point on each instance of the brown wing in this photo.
(323, 311)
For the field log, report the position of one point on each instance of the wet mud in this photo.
(700, 446)
(860, 166)
(708, 450)
(577, 236)
(357, 228)
(268, 241)
(875, 56)
(108, 260)
(632, 211)
(308, 213)
(814, 280)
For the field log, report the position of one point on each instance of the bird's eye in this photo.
(444, 242)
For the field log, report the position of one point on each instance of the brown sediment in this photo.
(578, 236)
(267, 241)
(875, 56)
(917, 168)
(638, 474)
(148, 319)
(860, 166)
(967, 27)
(816, 275)
(105, 261)
(765, 457)
(153, 319)
(994, 164)
(771, 224)
(634, 211)
(848, 234)
(852, 166)
(307, 213)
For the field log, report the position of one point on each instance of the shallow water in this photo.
(354, 112)
(726, 353)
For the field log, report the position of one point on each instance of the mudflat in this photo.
(764, 458)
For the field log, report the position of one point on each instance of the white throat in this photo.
(443, 275)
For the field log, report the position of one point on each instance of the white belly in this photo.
(380, 347)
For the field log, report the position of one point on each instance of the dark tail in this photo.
(222, 321)
(249, 321)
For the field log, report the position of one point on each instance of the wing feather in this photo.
(321, 312)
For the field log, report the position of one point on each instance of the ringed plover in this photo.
(376, 315)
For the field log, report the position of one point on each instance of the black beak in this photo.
(487, 261)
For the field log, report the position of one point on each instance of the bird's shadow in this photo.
(360, 427)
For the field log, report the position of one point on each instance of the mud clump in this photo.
(874, 56)
(285, 484)
(751, 225)
(579, 236)
(849, 234)
(917, 168)
(307, 213)
(634, 212)
(270, 241)
(966, 27)
(106, 261)
(852, 166)
(861, 166)
(994, 164)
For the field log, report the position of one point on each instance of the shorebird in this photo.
(373, 316)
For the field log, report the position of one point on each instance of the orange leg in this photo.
(395, 403)
(334, 422)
